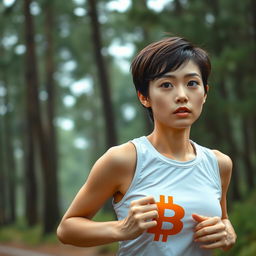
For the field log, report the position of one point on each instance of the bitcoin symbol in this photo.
(175, 220)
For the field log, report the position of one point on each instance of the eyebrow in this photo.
(186, 75)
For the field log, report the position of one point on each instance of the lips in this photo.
(182, 110)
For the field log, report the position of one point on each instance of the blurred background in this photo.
(66, 96)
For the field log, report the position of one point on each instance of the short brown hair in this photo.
(164, 56)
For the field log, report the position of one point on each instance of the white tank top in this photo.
(180, 189)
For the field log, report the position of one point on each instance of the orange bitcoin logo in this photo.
(175, 220)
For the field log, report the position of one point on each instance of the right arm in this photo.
(107, 177)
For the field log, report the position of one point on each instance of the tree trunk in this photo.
(32, 119)
(110, 130)
(31, 191)
(8, 185)
(51, 206)
(50, 201)
(3, 201)
(110, 126)
(234, 152)
(248, 153)
(253, 117)
(10, 162)
(178, 7)
(142, 5)
(253, 16)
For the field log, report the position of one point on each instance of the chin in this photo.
(183, 125)
(180, 127)
(177, 124)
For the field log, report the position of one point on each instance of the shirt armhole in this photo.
(217, 172)
(138, 167)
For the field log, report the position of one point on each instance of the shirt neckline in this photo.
(172, 161)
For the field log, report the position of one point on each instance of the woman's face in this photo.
(177, 97)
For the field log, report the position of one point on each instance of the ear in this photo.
(207, 90)
(144, 100)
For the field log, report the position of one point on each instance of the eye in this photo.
(166, 85)
(193, 83)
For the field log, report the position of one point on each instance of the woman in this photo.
(169, 193)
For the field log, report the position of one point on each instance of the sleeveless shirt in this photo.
(180, 189)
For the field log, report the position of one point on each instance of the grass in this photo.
(21, 233)
(32, 236)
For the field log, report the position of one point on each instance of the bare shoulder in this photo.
(116, 164)
(121, 156)
(225, 166)
(224, 160)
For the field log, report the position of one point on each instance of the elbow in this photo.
(60, 232)
(69, 233)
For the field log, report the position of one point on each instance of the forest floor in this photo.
(19, 240)
(18, 249)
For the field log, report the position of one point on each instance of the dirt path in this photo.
(7, 250)
(50, 250)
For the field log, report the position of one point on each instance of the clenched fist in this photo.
(141, 216)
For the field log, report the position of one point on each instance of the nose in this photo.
(181, 96)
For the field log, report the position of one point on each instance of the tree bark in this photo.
(253, 117)
(3, 213)
(7, 172)
(51, 206)
(142, 5)
(32, 119)
(248, 153)
(178, 7)
(50, 201)
(253, 16)
(110, 126)
(9, 155)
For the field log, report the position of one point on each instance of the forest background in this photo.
(66, 96)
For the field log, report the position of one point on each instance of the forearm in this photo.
(83, 232)
(231, 235)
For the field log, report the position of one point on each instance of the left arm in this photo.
(217, 232)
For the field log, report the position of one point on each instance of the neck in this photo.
(173, 143)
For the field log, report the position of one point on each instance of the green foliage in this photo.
(243, 219)
(21, 233)
(104, 216)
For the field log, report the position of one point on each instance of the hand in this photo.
(214, 232)
(140, 217)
